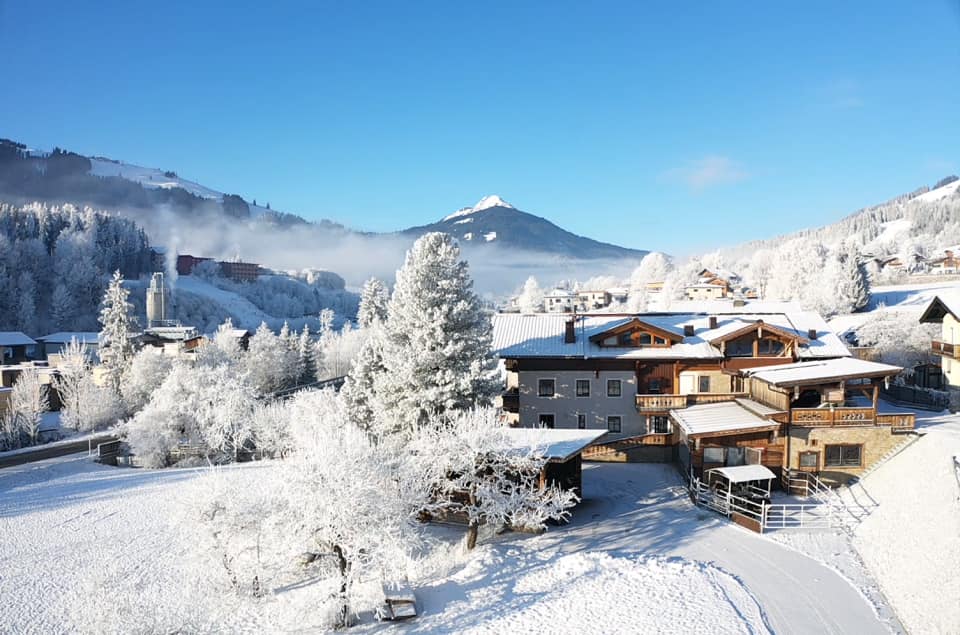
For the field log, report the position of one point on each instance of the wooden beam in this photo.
(876, 394)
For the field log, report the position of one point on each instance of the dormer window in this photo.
(625, 339)
(636, 334)
(769, 347)
(645, 339)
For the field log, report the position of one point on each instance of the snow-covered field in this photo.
(908, 298)
(245, 313)
(90, 548)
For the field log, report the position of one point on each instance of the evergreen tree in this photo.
(305, 365)
(358, 389)
(116, 346)
(26, 306)
(436, 344)
(373, 303)
(62, 308)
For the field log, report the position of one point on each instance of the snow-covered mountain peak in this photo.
(484, 203)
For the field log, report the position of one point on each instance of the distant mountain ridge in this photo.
(147, 194)
(493, 221)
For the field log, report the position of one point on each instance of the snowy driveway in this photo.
(643, 508)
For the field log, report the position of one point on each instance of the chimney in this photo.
(812, 334)
(570, 333)
(713, 322)
(688, 330)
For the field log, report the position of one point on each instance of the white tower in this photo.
(158, 301)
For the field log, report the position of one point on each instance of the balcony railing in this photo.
(650, 403)
(942, 348)
(898, 421)
(817, 417)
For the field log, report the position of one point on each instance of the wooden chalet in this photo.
(744, 384)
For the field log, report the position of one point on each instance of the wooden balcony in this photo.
(662, 403)
(898, 421)
(822, 417)
(511, 401)
(942, 348)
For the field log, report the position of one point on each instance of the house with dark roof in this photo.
(700, 387)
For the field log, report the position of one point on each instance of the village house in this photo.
(754, 383)
(55, 343)
(945, 310)
(559, 301)
(592, 300)
(15, 347)
(944, 265)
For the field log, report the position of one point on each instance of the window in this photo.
(581, 421)
(625, 339)
(810, 459)
(645, 339)
(713, 455)
(653, 387)
(741, 347)
(614, 423)
(613, 388)
(583, 388)
(843, 455)
(659, 341)
(659, 424)
(704, 383)
(769, 347)
(546, 421)
(546, 387)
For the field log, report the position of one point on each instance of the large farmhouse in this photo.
(757, 383)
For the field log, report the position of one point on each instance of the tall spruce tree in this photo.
(373, 303)
(437, 353)
(116, 345)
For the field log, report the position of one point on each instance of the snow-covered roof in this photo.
(15, 338)
(542, 334)
(64, 337)
(745, 473)
(820, 371)
(555, 445)
(718, 418)
(561, 293)
(940, 305)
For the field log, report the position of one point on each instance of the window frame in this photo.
(651, 424)
(576, 388)
(581, 421)
(619, 383)
(619, 429)
(700, 379)
(843, 462)
(553, 381)
(808, 453)
(540, 416)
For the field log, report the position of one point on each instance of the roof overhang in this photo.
(744, 473)
(812, 373)
(760, 327)
(634, 324)
(936, 311)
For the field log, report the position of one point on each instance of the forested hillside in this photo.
(54, 262)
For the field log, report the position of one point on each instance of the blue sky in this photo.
(658, 126)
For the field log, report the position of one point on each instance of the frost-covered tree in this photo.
(898, 337)
(116, 344)
(437, 352)
(270, 364)
(305, 363)
(335, 351)
(343, 502)
(854, 285)
(147, 371)
(29, 400)
(373, 303)
(530, 299)
(74, 371)
(359, 386)
(27, 306)
(479, 472)
(197, 404)
(62, 308)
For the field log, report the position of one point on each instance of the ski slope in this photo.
(245, 314)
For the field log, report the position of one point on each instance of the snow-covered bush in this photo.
(147, 371)
(899, 338)
(29, 400)
(197, 404)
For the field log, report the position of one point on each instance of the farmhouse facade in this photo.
(769, 385)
